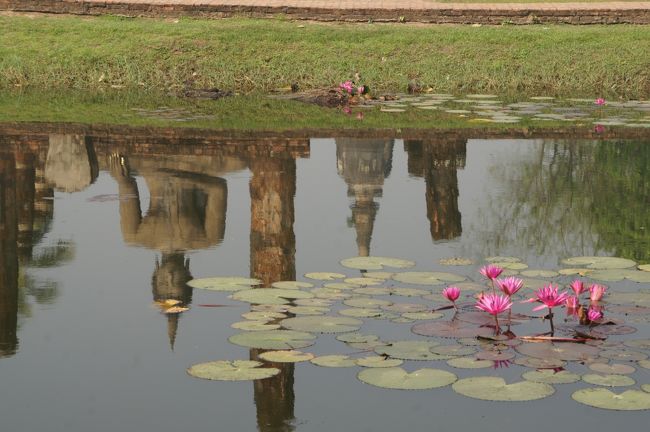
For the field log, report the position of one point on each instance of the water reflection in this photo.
(364, 164)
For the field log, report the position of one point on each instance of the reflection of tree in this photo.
(364, 164)
(571, 198)
(187, 211)
(8, 258)
(273, 258)
(438, 162)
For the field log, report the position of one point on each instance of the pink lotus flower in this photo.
(347, 86)
(572, 302)
(578, 287)
(594, 313)
(596, 292)
(600, 101)
(549, 296)
(361, 89)
(599, 129)
(491, 271)
(494, 304)
(510, 285)
(451, 293)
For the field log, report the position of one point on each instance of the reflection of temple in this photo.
(364, 164)
(273, 258)
(9, 258)
(438, 162)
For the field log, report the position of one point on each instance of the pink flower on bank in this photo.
(491, 271)
(600, 102)
(359, 116)
(594, 313)
(572, 302)
(578, 287)
(347, 110)
(549, 297)
(599, 129)
(596, 292)
(451, 293)
(361, 89)
(510, 285)
(347, 86)
(494, 304)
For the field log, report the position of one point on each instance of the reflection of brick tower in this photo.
(364, 164)
(438, 163)
(8, 257)
(273, 258)
(187, 211)
(71, 163)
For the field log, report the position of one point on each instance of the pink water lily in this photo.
(494, 304)
(347, 86)
(578, 287)
(594, 313)
(596, 292)
(451, 293)
(572, 302)
(600, 102)
(491, 271)
(510, 285)
(549, 297)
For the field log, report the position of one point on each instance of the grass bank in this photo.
(246, 55)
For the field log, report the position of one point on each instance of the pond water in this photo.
(99, 226)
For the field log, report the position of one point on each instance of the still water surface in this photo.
(95, 228)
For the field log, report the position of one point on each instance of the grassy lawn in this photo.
(247, 55)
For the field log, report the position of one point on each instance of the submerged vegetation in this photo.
(246, 55)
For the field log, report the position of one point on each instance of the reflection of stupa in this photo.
(71, 163)
(438, 162)
(364, 164)
(187, 211)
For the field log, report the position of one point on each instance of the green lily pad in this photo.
(325, 276)
(511, 265)
(602, 263)
(230, 283)
(638, 343)
(314, 302)
(411, 350)
(322, 324)
(496, 389)
(398, 378)
(366, 302)
(533, 283)
(254, 325)
(451, 329)
(539, 363)
(371, 291)
(340, 286)
(409, 292)
(402, 320)
(427, 278)
(360, 312)
(453, 350)
(238, 370)
(271, 296)
(575, 271)
(405, 307)
(641, 298)
(291, 285)
(549, 376)
(378, 362)
(644, 364)
(273, 339)
(646, 388)
(263, 315)
(608, 380)
(356, 338)
(630, 400)
(308, 310)
(363, 281)
(469, 363)
(334, 361)
(560, 351)
(502, 259)
(623, 355)
(378, 275)
(375, 263)
(615, 368)
(330, 294)
(286, 356)
(422, 315)
(540, 273)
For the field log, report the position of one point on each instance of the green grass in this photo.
(246, 55)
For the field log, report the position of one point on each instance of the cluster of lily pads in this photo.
(485, 108)
(285, 318)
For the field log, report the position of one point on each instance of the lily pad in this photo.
(538, 363)
(378, 362)
(502, 259)
(641, 298)
(324, 276)
(540, 273)
(456, 261)
(314, 302)
(360, 312)
(356, 338)
(549, 376)
(451, 329)
(330, 294)
(638, 343)
(375, 263)
(574, 271)
(604, 263)
(363, 281)
(286, 356)
(309, 310)
(495, 355)
(496, 389)
(273, 339)
(623, 355)
(366, 302)
(405, 307)
(615, 368)
(334, 361)
(230, 283)
(263, 315)
(644, 364)
(291, 285)
(422, 315)
(341, 286)
(453, 350)
(561, 351)
(254, 325)
(408, 292)
(238, 370)
(411, 350)
(630, 400)
(427, 278)
(398, 378)
(322, 324)
(371, 291)
(269, 295)
(378, 275)
(608, 380)
(469, 363)
(511, 265)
